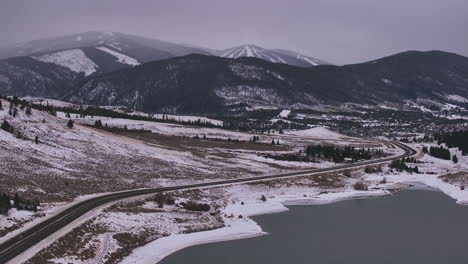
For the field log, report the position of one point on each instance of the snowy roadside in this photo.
(49, 210)
(65, 230)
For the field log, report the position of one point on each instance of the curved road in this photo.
(30, 237)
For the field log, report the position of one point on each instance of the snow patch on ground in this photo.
(122, 58)
(74, 59)
(304, 58)
(284, 113)
(163, 247)
(48, 101)
(319, 132)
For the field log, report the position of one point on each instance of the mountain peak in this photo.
(246, 50)
(275, 56)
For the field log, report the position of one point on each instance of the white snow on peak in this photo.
(251, 51)
(457, 98)
(122, 58)
(275, 56)
(74, 59)
(306, 59)
(243, 51)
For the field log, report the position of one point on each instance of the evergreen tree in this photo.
(6, 126)
(454, 139)
(98, 123)
(70, 123)
(455, 159)
(425, 150)
(5, 204)
(17, 202)
(36, 139)
(440, 152)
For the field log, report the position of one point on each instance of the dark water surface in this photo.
(412, 226)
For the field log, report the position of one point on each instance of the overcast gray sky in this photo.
(339, 31)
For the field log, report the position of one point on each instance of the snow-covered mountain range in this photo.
(271, 55)
(152, 75)
(130, 50)
(98, 52)
(141, 48)
(50, 66)
(208, 84)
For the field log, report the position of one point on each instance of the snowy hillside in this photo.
(122, 58)
(275, 56)
(74, 60)
(311, 60)
(141, 48)
(69, 161)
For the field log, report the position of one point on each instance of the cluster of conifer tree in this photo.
(261, 127)
(18, 203)
(331, 152)
(411, 160)
(439, 152)
(194, 206)
(455, 139)
(400, 165)
(161, 199)
(15, 104)
(314, 153)
(6, 126)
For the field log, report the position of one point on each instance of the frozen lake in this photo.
(412, 226)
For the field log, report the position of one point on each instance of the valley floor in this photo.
(71, 164)
(153, 233)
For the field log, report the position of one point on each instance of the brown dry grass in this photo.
(459, 178)
(332, 180)
(75, 243)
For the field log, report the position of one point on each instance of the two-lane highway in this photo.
(30, 237)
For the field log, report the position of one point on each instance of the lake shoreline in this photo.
(245, 227)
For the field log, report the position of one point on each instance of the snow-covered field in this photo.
(318, 134)
(48, 101)
(284, 113)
